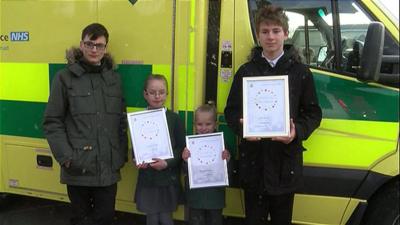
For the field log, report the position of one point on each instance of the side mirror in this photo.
(371, 58)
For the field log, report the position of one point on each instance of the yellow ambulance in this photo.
(351, 166)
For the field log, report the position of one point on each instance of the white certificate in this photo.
(266, 106)
(150, 135)
(205, 164)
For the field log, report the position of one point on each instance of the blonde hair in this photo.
(208, 107)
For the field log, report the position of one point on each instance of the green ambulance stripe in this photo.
(21, 118)
(352, 100)
(24, 82)
(347, 142)
(360, 123)
(26, 98)
(132, 76)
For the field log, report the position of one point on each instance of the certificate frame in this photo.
(266, 106)
(150, 135)
(207, 169)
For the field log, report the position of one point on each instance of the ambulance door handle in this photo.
(226, 59)
(44, 161)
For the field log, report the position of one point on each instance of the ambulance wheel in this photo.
(383, 208)
(3, 199)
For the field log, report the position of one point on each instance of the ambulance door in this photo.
(141, 41)
(159, 37)
(227, 23)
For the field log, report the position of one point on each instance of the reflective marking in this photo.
(24, 82)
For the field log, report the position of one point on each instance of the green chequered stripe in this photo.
(53, 69)
(187, 119)
(348, 99)
(132, 76)
(24, 81)
(230, 139)
(21, 118)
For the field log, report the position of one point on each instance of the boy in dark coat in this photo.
(271, 169)
(85, 125)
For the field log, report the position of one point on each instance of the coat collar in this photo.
(74, 57)
(290, 54)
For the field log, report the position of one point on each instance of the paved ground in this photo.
(32, 211)
(21, 210)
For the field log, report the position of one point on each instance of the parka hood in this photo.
(74, 55)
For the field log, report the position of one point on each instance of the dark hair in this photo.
(272, 14)
(208, 107)
(94, 31)
(155, 77)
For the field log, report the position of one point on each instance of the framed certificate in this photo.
(150, 135)
(266, 106)
(205, 164)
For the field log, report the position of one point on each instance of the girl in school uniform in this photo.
(158, 189)
(205, 204)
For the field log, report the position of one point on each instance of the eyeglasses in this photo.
(156, 93)
(91, 45)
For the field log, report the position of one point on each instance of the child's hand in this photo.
(185, 154)
(159, 164)
(226, 155)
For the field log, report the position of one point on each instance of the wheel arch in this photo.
(372, 191)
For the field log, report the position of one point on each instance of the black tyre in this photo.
(383, 208)
(3, 200)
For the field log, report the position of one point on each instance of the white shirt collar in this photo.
(272, 62)
(165, 108)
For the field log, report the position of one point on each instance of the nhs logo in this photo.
(19, 36)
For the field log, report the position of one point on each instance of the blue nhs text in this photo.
(19, 36)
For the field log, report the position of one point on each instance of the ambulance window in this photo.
(390, 62)
(309, 32)
(307, 39)
(353, 30)
(332, 39)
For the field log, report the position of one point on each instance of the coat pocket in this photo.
(84, 158)
(293, 149)
(250, 165)
(113, 100)
(81, 102)
(291, 167)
